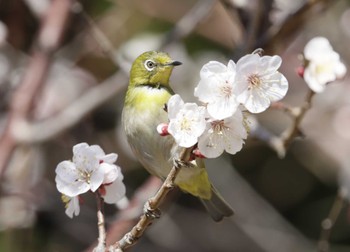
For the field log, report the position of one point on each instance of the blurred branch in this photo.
(328, 223)
(189, 21)
(256, 217)
(51, 31)
(104, 43)
(275, 38)
(151, 208)
(31, 132)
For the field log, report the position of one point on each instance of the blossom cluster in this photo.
(322, 64)
(225, 90)
(90, 170)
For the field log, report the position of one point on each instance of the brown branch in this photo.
(281, 143)
(49, 37)
(189, 22)
(151, 208)
(33, 132)
(101, 245)
(294, 130)
(275, 39)
(328, 223)
(129, 216)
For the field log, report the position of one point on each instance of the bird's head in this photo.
(152, 68)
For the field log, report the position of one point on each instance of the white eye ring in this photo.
(150, 65)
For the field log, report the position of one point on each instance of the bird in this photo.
(144, 109)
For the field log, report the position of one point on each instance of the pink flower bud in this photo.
(162, 129)
(198, 154)
(300, 71)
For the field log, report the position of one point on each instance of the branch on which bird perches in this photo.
(151, 208)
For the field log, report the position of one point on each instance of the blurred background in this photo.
(279, 203)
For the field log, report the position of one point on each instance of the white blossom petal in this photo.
(212, 67)
(312, 81)
(258, 83)
(227, 134)
(110, 158)
(67, 171)
(216, 89)
(79, 148)
(84, 157)
(73, 207)
(210, 144)
(220, 109)
(316, 47)
(323, 64)
(114, 192)
(97, 150)
(270, 64)
(89, 169)
(110, 171)
(277, 87)
(96, 179)
(174, 104)
(71, 189)
(187, 124)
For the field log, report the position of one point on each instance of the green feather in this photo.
(147, 93)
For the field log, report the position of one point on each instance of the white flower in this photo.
(215, 88)
(72, 205)
(227, 134)
(323, 64)
(187, 121)
(115, 191)
(89, 168)
(258, 83)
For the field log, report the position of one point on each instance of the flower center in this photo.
(218, 126)
(185, 124)
(323, 68)
(226, 90)
(84, 176)
(254, 81)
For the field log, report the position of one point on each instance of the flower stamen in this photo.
(254, 81)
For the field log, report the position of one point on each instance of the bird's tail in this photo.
(216, 206)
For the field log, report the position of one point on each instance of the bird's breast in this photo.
(143, 112)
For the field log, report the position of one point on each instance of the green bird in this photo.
(143, 111)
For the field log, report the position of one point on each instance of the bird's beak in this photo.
(174, 63)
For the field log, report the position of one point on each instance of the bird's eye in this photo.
(149, 64)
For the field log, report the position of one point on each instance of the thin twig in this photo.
(189, 21)
(101, 246)
(151, 208)
(328, 223)
(281, 143)
(294, 130)
(101, 39)
(51, 31)
(275, 39)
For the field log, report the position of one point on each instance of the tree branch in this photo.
(328, 223)
(101, 246)
(151, 208)
(50, 34)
